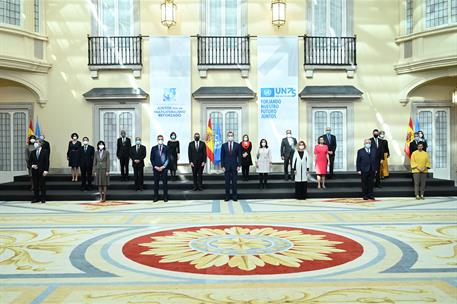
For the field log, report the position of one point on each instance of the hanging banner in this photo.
(277, 61)
(170, 90)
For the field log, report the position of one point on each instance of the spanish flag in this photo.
(30, 130)
(209, 141)
(409, 137)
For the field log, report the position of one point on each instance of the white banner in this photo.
(277, 61)
(170, 90)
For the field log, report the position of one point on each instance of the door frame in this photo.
(437, 105)
(350, 123)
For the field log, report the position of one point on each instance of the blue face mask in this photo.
(138, 142)
(328, 132)
(368, 146)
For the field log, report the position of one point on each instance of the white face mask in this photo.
(32, 140)
(381, 136)
(289, 135)
(75, 138)
(230, 138)
(138, 142)
(101, 147)
(36, 145)
(85, 142)
(245, 139)
(160, 141)
(263, 144)
(368, 146)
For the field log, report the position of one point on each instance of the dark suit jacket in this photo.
(158, 160)
(413, 146)
(197, 157)
(367, 162)
(45, 145)
(42, 161)
(86, 159)
(140, 155)
(231, 161)
(123, 149)
(286, 149)
(332, 144)
(379, 148)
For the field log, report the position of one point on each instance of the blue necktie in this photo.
(37, 154)
(328, 137)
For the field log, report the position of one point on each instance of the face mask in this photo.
(375, 135)
(245, 139)
(85, 142)
(36, 145)
(230, 138)
(197, 138)
(328, 132)
(368, 146)
(32, 140)
(138, 142)
(41, 137)
(289, 135)
(160, 141)
(122, 135)
(101, 147)
(381, 136)
(416, 138)
(263, 144)
(173, 137)
(301, 147)
(75, 138)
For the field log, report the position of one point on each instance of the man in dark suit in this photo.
(159, 161)
(367, 164)
(138, 154)
(288, 145)
(197, 158)
(45, 144)
(330, 141)
(376, 143)
(123, 154)
(86, 163)
(39, 164)
(231, 162)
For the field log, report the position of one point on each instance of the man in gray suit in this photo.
(288, 145)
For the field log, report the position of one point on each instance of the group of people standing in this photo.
(87, 161)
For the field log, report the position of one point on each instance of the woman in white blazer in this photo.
(300, 163)
(263, 163)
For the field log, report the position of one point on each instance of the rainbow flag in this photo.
(409, 137)
(209, 141)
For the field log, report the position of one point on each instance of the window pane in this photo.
(10, 12)
(19, 140)
(320, 122)
(125, 17)
(336, 18)
(108, 15)
(110, 136)
(37, 15)
(231, 17)
(5, 142)
(320, 17)
(436, 12)
(214, 17)
(441, 139)
(231, 124)
(336, 123)
(454, 11)
(409, 16)
(126, 123)
(426, 124)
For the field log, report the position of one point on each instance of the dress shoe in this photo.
(194, 189)
(34, 201)
(235, 199)
(155, 199)
(165, 199)
(226, 200)
(422, 197)
(372, 198)
(43, 201)
(365, 198)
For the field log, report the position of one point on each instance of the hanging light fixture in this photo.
(278, 12)
(168, 8)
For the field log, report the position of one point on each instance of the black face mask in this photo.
(197, 138)
(375, 135)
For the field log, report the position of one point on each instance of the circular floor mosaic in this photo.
(242, 250)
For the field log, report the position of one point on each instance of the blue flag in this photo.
(417, 126)
(37, 129)
(217, 145)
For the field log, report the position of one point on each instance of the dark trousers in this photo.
(245, 171)
(367, 184)
(139, 176)
(124, 167)
(197, 174)
(301, 190)
(86, 177)
(287, 164)
(230, 183)
(331, 157)
(39, 186)
(377, 176)
(157, 177)
(263, 178)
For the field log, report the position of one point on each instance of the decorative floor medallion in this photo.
(242, 250)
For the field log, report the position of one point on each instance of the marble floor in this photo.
(393, 250)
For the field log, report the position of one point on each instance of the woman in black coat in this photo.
(173, 155)
(246, 159)
(73, 151)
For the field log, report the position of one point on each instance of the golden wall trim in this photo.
(22, 32)
(432, 32)
(426, 64)
(24, 64)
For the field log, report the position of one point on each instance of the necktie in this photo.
(137, 148)
(328, 138)
(368, 151)
(85, 148)
(37, 153)
(196, 145)
(230, 148)
(160, 150)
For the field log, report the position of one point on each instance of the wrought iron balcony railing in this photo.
(328, 51)
(118, 50)
(223, 50)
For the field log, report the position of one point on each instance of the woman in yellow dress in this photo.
(384, 170)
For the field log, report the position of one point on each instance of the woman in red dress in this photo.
(321, 162)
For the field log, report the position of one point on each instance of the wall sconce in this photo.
(168, 8)
(278, 12)
(454, 97)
